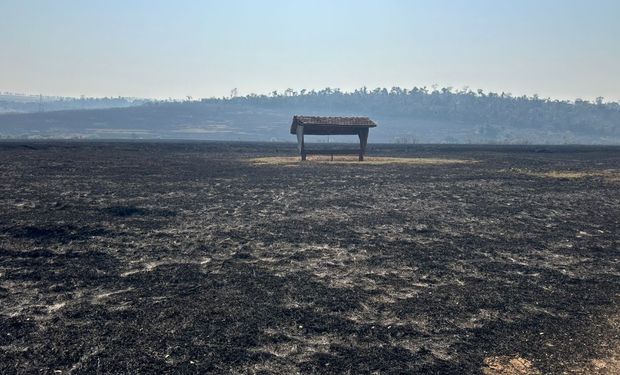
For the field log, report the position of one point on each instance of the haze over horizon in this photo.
(160, 49)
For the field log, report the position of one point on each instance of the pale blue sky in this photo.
(154, 48)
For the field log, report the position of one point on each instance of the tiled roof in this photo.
(333, 121)
(337, 124)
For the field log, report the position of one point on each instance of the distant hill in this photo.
(21, 103)
(417, 115)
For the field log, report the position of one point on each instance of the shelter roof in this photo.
(326, 125)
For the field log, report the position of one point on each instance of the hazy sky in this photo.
(153, 48)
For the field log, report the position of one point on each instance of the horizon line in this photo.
(281, 92)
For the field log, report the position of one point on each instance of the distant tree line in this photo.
(406, 116)
(489, 110)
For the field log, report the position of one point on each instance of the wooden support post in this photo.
(300, 142)
(363, 135)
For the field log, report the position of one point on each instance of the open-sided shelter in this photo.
(314, 125)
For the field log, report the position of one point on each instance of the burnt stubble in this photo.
(189, 258)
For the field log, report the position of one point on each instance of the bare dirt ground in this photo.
(194, 258)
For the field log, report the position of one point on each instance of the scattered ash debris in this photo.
(191, 258)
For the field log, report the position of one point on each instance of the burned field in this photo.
(170, 257)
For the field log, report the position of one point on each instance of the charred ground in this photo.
(187, 257)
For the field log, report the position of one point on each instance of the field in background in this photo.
(160, 257)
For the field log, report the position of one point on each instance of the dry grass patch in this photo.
(609, 175)
(372, 160)
(505, 365)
